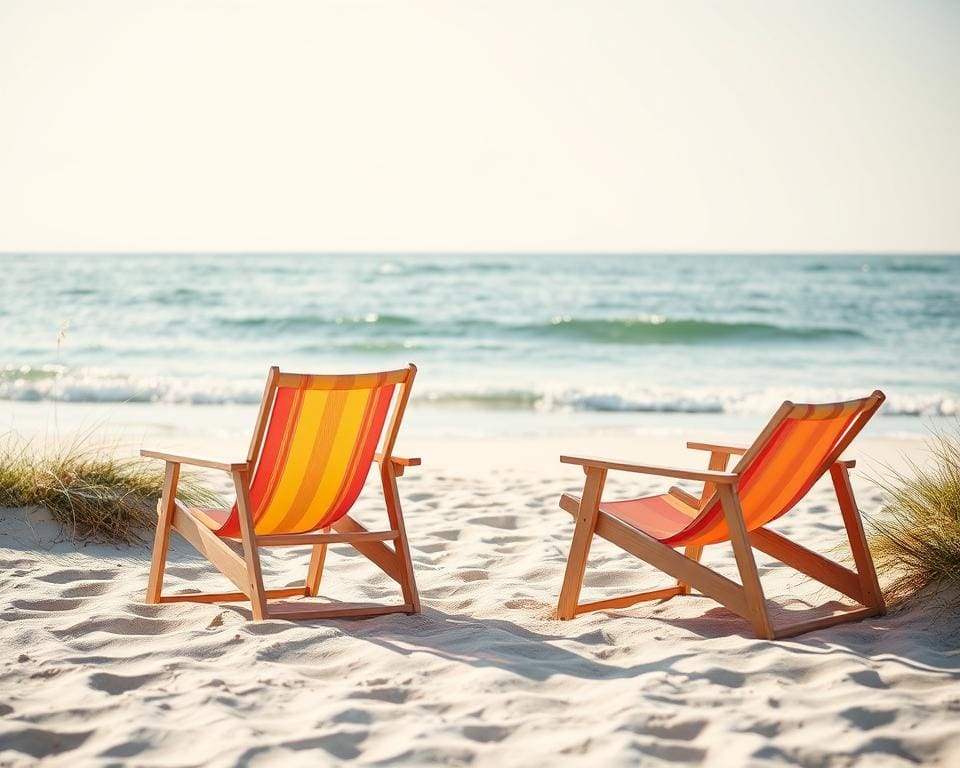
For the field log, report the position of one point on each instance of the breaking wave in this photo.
(55, 383)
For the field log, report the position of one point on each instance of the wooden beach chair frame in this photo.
(747, 598)
(239, 559)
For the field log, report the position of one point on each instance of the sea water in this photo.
(514, 337)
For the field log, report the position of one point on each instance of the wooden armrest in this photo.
(175, 458)
(400, 460)
(398, 464)
(739, 451)
(687, 498)
(704, 475)
(730, 450)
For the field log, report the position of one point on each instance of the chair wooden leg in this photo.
(867, 574)
(161, 540)
(718, 463)
(315, 571)
(251, 555)
(580, 545)
(391, 497)
(746, 563)
(694, 552)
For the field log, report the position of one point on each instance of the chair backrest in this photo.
(314, 442)
(795, 449)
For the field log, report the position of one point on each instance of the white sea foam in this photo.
(98, 386)
(53, 383)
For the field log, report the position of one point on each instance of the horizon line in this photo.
(483, 253)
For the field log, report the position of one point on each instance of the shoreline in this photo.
(453, 442)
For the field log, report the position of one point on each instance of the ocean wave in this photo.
(55, 383)
(656, 329)
(274, 323)
(449, 266)
(640, 330)
(184, 296)
(909, 266)
(367, 345)
(919, 268)
(692, 401)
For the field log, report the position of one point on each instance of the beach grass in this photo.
(92, 491)
(916, 538)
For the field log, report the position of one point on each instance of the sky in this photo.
(593, 126)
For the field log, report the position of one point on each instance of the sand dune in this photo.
(92, 675)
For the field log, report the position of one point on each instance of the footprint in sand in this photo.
(75, 574)
(725, 677)
(182, 572)
(673, 753)
(127, 749)
(88, 589)
(524, 603)
(473, 575)
(343, 746)
(451, 534)
(119, 625)
(354, 716)
(430, 548)
(683, 730)
(116, 684)
(486, 733)
(869, 678)
(391, 695)
(766, 728)
(507, 522)
(867, 719)
(40, 742)
(52, 605)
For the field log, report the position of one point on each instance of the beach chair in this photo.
(316, 438)
(799, 445)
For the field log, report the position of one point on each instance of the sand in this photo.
(90, 675)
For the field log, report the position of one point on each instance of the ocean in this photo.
(498, 339)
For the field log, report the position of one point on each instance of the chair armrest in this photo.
(400, 460)
(687, 498)
(175, 458)
(730, 450)
(398, 463)
(704, 475)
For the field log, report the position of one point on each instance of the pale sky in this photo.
(198, 125)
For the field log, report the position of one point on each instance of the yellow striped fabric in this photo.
(316, 453)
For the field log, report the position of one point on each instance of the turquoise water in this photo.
(644, 334)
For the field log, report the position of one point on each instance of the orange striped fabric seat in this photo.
(774, 475)
(317, 451)
(661, 516)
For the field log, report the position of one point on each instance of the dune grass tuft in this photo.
(916, 538)
(91, 491)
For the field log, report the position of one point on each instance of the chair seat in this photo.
(213, 518)
(658, 516)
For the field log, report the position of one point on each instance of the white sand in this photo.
(92, 676)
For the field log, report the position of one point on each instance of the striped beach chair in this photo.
(799, 445)
(316, 438)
